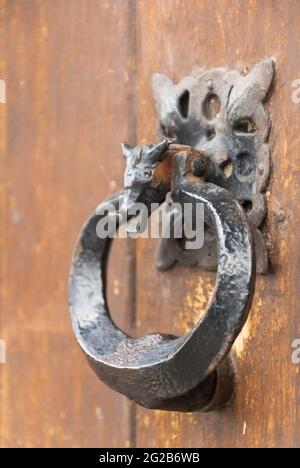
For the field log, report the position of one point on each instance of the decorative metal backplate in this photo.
(221, 113)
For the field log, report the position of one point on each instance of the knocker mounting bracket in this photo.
(222, 114)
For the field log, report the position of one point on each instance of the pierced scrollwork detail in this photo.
(221, 113)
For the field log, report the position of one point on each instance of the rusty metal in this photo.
(187, 373)
(221, 113)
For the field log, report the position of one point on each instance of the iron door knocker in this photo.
(194, 371)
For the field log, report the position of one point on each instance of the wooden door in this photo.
(77, 76)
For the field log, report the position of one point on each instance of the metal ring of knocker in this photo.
(159, 371)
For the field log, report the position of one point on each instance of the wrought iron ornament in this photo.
(218, 117)
(221, 113)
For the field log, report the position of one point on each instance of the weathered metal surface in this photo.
(158, 370)
(221, 113)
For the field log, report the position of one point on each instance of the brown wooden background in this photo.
(77, 75)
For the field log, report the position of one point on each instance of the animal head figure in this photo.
(220, 112)
(141, 162)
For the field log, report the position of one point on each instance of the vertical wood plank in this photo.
(68, 67)
(174, 36)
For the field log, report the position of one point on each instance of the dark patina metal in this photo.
(161, 371)
(221, 113)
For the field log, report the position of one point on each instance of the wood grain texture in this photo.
(69, 69)
(72, 91)
(174, 36)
